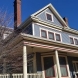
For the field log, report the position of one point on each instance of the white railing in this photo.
(33, 75)
(4, 75)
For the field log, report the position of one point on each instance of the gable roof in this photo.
(50, 6)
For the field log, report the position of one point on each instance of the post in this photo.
(24, 61)
(57, 63)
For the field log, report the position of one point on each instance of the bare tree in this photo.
(5, 21)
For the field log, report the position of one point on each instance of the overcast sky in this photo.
(66, 8)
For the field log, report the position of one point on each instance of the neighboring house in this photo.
(47, 45)
(5, 31)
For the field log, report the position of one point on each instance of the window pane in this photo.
(63, 71)
(49, 66)
(49, 17)
(30, 67)
(71, 40)
(51, 35)
(43, 34)
(58, 37)
(62, 60)
(76, 41)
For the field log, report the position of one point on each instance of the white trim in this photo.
(51, 16)
(44, 30)
(57, 64)
(42, 62)
(47, 27)
(52, 9)
(60, 36)
(52, 32)
(24, 61)
(41, 12)
(33, 28)
(68, 71)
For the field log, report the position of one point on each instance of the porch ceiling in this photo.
(40, 47)
(34, 49)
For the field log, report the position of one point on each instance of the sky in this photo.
(66, 8)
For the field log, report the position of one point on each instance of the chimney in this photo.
(66, 20)
(17, 13)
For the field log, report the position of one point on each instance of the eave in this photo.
(46, 41)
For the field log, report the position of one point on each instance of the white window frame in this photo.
(43, 30)
(51, 16)
(67, 66)
(52, 32)
(75, 65)
(73, 39)
(42, 61)
(60, 37)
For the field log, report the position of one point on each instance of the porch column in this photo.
(57, 64)
(24, 61)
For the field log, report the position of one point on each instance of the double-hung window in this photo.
(43, 33)
(51, 35)
(57, 37)
(71, 40)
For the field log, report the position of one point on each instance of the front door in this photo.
(49, 67)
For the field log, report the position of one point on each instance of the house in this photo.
(5, 31)
(45, 47)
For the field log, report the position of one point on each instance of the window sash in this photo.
(49, 67)
(63, 69)
(43, 34)
(76, 41)
(58, 37)
(51, 35)
(71, 40)
(49, 16)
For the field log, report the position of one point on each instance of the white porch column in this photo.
(57, 64)
(24, 61)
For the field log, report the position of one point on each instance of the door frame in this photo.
(55, 67)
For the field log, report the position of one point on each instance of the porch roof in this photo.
(49, 44)
(30, 40)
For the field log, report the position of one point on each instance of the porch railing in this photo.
(32, 75)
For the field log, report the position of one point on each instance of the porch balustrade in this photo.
(32, 75)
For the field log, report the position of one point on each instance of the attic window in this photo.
(49, 17)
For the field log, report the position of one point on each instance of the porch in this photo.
(29, 61)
